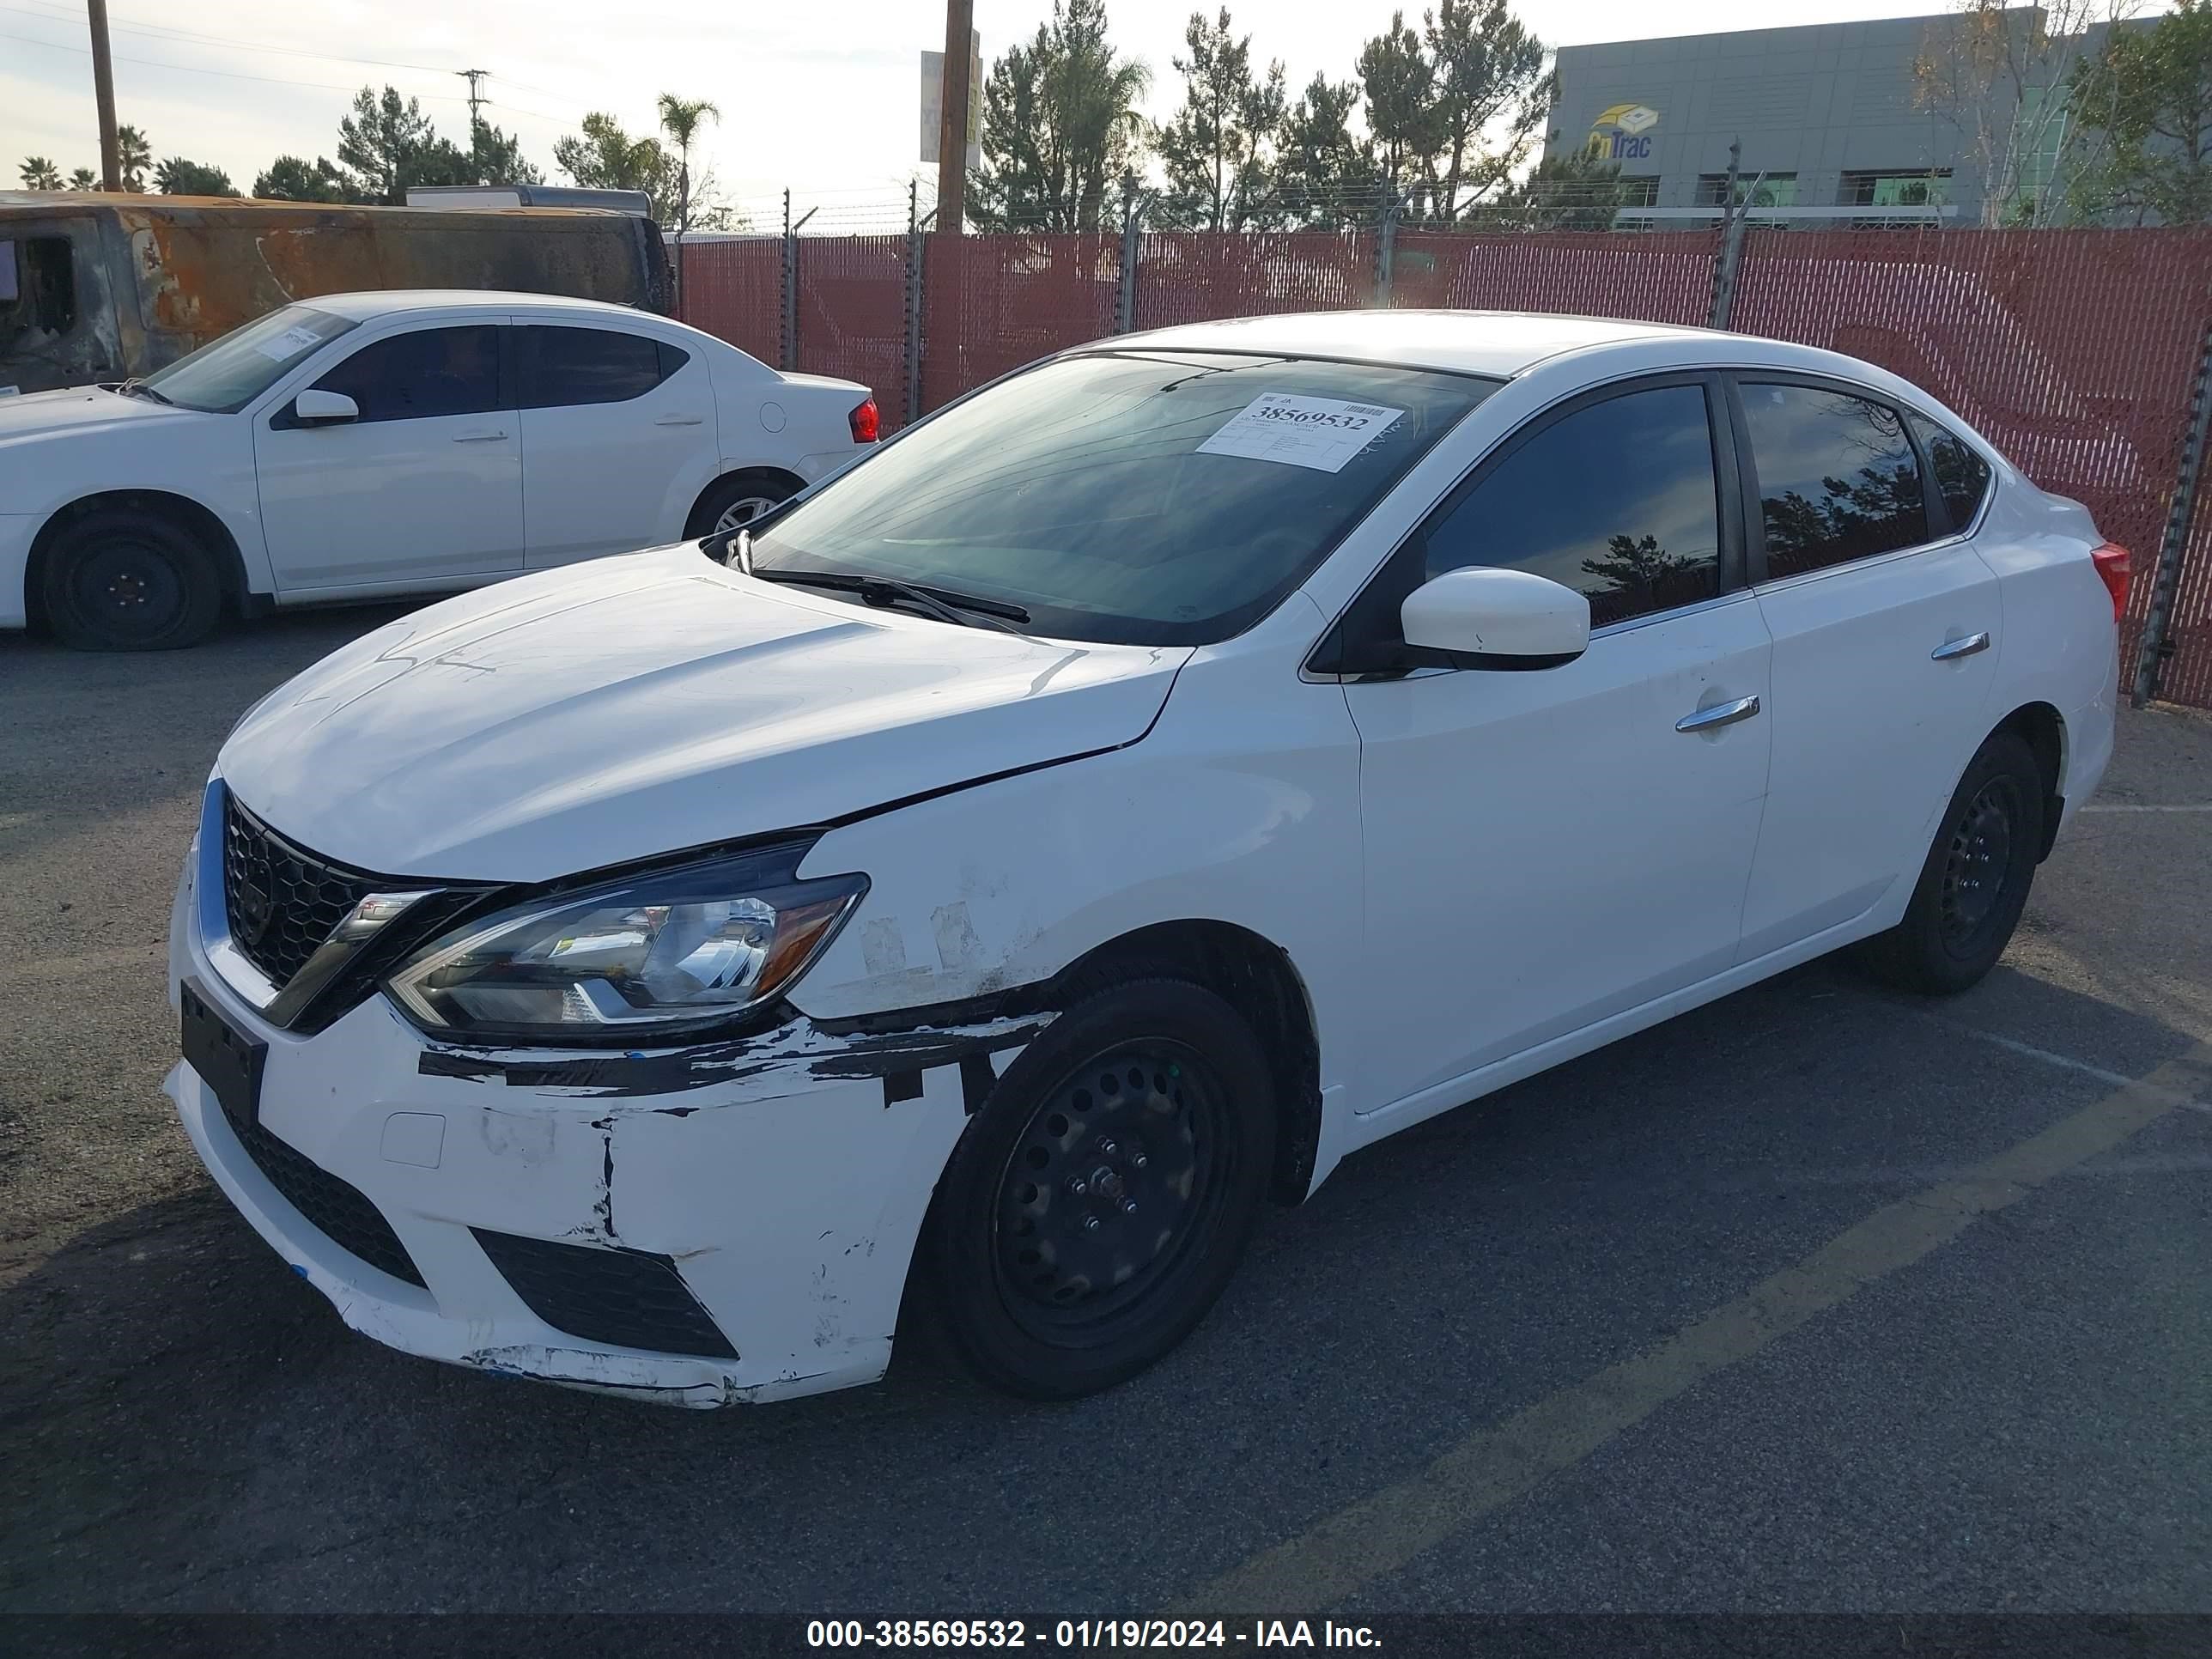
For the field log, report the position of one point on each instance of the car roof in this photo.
(382, 302)
(1495, 343)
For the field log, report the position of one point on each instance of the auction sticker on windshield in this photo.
(291, 340)
(1321, 433)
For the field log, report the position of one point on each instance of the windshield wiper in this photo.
(943, 602)
(136, 387)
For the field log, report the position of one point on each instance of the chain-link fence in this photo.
(2080, 352)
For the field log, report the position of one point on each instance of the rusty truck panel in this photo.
(149, 279)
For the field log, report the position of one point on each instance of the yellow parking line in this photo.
(1499, 1463)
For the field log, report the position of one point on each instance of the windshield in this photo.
(225, 375)
(1139, 497)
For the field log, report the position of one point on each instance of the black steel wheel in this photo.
(118, 578)
(1978, 861)
(1117, 1174)
(1097, 1205)
(1975, 881)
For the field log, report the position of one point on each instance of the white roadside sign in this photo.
(932, 103)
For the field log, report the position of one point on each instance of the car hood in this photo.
(40, 415)
(652, 702)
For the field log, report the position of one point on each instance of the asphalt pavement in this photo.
(1820, 1299)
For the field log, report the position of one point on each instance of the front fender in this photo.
(201, 462)
(1240, 805)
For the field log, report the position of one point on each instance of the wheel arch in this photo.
(1256, 977)
(201, 521)
(2044, 730)
(789, 481)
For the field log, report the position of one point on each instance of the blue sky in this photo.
(823, 97)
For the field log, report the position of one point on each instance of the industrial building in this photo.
(1826, 115)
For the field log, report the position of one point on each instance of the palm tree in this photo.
(40, 174)
(134, 155)
(1104, 95)
(680, 120)
(84, 179)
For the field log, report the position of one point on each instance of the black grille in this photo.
(281, 901)
(341, 1211)
(624, 1298)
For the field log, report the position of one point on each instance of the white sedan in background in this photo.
(363, 445)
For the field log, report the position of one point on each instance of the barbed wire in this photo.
(1350, 210)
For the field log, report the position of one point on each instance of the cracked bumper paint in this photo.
(788, 1200)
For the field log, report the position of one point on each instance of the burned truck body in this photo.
(97, 287)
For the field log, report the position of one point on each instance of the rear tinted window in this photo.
(564, 366)
(1962, 477)
(1637, 533)
(421, 374)
(1837, 477)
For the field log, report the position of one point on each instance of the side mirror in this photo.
(314, 408)
(1486, 618)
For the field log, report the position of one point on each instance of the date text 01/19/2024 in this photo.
(1085, 1633)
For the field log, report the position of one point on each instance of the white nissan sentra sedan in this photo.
(371, 445)
(1160, 773)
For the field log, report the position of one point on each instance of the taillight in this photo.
(867, 424)
(2113, 569)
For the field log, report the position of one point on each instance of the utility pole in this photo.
(103, 93)
(476, 122)
(953, 129)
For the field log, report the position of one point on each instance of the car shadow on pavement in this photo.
(184, 1417)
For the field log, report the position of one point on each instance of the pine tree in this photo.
(1217, 149)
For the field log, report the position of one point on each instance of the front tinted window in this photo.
(1151, 498)
(428, 371)
(1837, 477)
(590, 366)
(1616, 500)
(1962, 477)
(225, 375)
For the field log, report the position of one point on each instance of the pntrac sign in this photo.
(1622, 133)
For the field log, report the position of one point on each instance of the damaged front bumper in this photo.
(728, 1224)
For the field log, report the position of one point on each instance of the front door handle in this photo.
(1720, 714)
(480, 438)
(1952, 650)
(680, 420)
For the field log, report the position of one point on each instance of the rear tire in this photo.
(1099, 1201)
(120, 579)
(734, 500)
(1975, 881)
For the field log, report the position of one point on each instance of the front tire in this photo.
(1095, 1207)
(1975, 881)
(118, 578)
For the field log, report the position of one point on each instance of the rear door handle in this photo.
(1952, 650)
(480, 438)
(680, 420)
(1720, 714)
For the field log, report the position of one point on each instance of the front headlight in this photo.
(655, 954)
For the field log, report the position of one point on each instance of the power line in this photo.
(525, 85)
(524, 109)
(227, 75)
(158, 32)
(162, 33)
